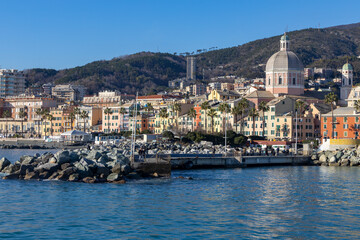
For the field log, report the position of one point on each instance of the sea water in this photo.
(293, 202)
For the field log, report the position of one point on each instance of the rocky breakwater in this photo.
(344, 157)
(80, 165)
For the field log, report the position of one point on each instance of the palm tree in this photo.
(192, 114)
(108, 112)
(22, 115)
(235, 111)
(243, 106)
(123, 112)
(224, 108)
(253, 114)
(72, 117)
(38, 112)
(149, 108)
(50, 118)
(299, 107)
(264, 108)
(77, 113)
(212, 113)
(205, 106)
(163, 114)
(84, 115)
(357, 105)
(44, 114)
(6, 115)
(176, 107)
(331, 99)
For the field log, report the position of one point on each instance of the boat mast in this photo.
(134, 132)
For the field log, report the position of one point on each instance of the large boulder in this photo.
(322, 158)
(49, 167)
(4, 162)
(125, 169)
(94, 155)
(332, 159)
(339, 154)
(102, 170)
(31, 175)
(83, 169)
(62, 157)
(113, 177)
(26, 168)
(116, 168)
(27, 160)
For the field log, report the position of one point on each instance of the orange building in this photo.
(346, 123)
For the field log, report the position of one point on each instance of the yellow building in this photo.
(223, 95)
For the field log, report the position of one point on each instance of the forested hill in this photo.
(150, 72)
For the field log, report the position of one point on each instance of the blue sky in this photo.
(67, 33)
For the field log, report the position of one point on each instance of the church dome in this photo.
(284, 61)
(347, 66)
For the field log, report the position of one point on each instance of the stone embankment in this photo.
(170, 148)
(80, 165)
(344, 157)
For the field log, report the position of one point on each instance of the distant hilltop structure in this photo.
(285, 71)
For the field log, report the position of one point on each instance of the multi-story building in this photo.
(223, 95)
(191, 68)
(346, 124)
(106, 99)
(12, 82)
(95, 118)
(118, 120)
(227, 86)
(69, 92)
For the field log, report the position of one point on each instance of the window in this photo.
(272, 132)
(325, 119)
(269, 81)
(272, 117)
(272, 124)
(335, 134)
(294, 81)
(345, 134)
(345, 119)
(346, 126)
(356, 119)
(280, 80)
(277, 119)
(273, 109)
(285, 120)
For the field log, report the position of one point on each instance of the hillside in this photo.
(149, 72)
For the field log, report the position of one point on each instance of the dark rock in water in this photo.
(45, 157)
(113, 177)
(125, 169)
(53, 176)
(122, 181)
(102, 170)
(44, 175)
(25, 169)
(334, 164)
(4, 162)
(31, 175)
(89, 180)
(65, 174)
(12, 176)
(103, 159)
(74, 177)
(74, 157)
(133, 175)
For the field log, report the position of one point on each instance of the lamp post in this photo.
(296, 132)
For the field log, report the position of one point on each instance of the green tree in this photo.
(331, 99)
(192, 115)
(253, 114)
(212, 114)
(44, 114)
(77, 113)
(163, 114)
(38, 112)
(50, 118)
(235, 111)
(263, 107)
(6, 115)
(108, 112)
(84, 115)
(176, 107)
(243, 106)
(357, 105)
(224, 108)
(205, 106)
(22, 116)
(72, 117)
(123, 112)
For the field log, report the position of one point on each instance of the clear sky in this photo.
(67, 33)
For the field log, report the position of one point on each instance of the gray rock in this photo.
(103, 159)
(116, 168)
(62, 156)
(89, 180)
(27, 160)
(102, 170)
(113, 177)
(323, 158)
(332, 159)
(74, 177)
(4, 162)
(50, 167)
(94, 155)
(26, 168)
(339, 154)
(12, 176)
(31, 175)
(53, 160)
(74, 157)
